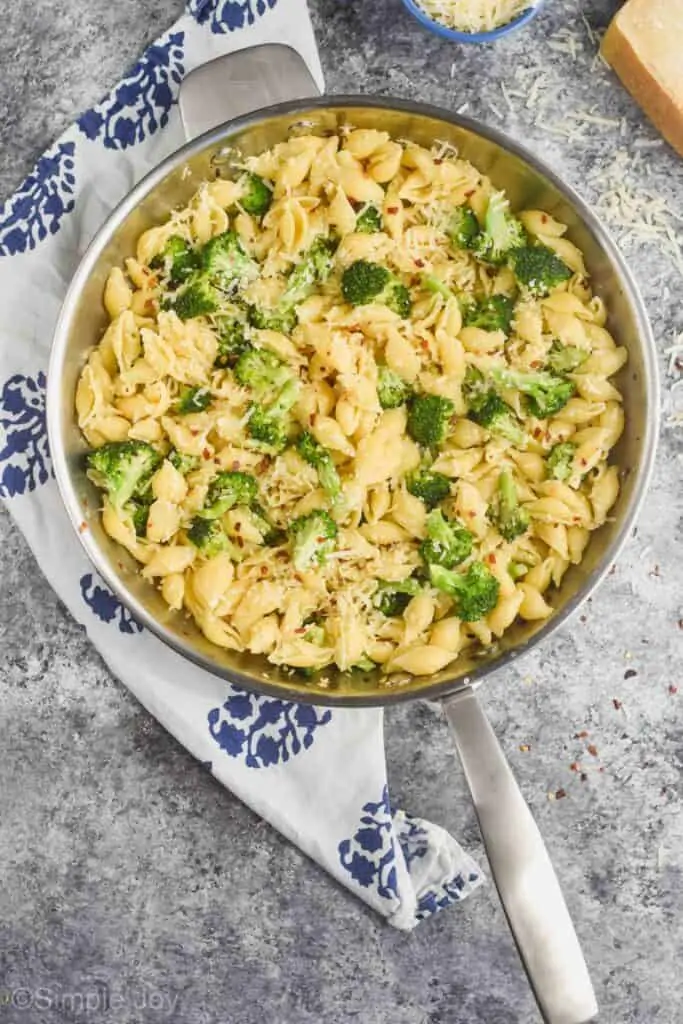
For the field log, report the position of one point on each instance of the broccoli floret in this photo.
(261, 370)
(392, 599)
(428, 486)
(492, 314)
(365, 664)
(364, 282)
(226, 490)
(505, 512)
(463, 229)
(312, 452)
(313, 539)
(183, 463)
(545, 393)
(437, 287)
(475, 591)
(282, 320)
(209, 537)
(487, 408)
(392, 390)
(256, 195)
(565, 358)
(225, 262)
(517, 570)
(428, 419)
(270, 533)
(502, 232)
(539, 269)
(559, 463)
(177, 260)
(448, 543)
(315, 267)
(197, 298)
(270, 425)
(369, 220)
(139, 513)
(192, 400)
(232, 339)
(124, 469)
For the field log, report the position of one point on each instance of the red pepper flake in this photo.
(419, 263)
(83, 526)
(673, 689)
(576, 519)
(470, 192)
(240, 541)
(264, 570)
(438, 160)
(535, 363)
(617, 704)
(311, 419)
(235, 464)
(538, 432)
(150, 306)
(392, 209)
(424, 344)
(206, 454)
(320, 540)
(560, 794)
(471, 514)
(238, 527)
(544, 218)
(300, 629)
(630, 673)
(583, 462)
(491, 558)
(574, 766)
(581, 735)
(194, 431)
(592, 750)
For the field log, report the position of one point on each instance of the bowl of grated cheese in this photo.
(473, 21)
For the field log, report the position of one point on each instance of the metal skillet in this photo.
(234, 87)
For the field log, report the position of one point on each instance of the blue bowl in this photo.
(473, 37)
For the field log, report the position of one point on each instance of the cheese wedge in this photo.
(644, 45)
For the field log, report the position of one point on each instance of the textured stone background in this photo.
(124, 865)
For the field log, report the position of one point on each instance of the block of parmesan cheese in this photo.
(644, 45)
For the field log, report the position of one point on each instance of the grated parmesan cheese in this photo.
(474, 15)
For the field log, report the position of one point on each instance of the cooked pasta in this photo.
(350, 410)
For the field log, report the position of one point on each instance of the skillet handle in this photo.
(521, 869)
(240, 83)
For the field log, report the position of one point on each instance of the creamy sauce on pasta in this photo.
(159, 379)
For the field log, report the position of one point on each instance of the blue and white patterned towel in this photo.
(318, 775)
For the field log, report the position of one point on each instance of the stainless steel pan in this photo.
(233, 86)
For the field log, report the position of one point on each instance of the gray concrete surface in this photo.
(127, 875)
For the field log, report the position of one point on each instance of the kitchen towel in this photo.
(317, 774)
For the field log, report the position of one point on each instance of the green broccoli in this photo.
(270, 533)
(256, 195)
(364, 282)
(183, 463)
(312, 452)
(437, 287)
(448, 543)
(369, 220)
(475, 592)
(428, 486)
(492, 314)
(226, 490)
(198, 297)
(209, 537)
(560, 462)
(313, 269)
(487, 408)
(538, 269)
(313, 538)
(139, 512)
(226, 263)
(192, 400)
(392, 390)
(502, 233)
(124, 470)
(392, 599)
(565, 358)
(545, 393)
(177, 260)
(505, 512)
(365, 664)
(517, 570)
(232, 339)
(429, 418)
(463, 230)
(270, 425)
(261, 370)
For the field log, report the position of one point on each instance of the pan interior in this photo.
(172, 184)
